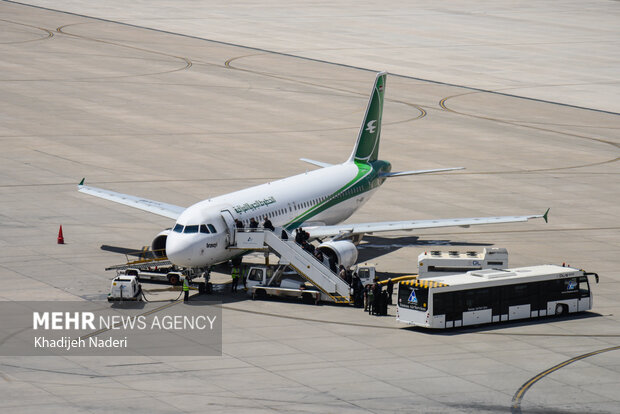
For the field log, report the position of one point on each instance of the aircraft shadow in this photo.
(373, 247)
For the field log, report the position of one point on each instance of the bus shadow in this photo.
(492, 329)
(373, 247)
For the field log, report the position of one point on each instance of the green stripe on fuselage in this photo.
(366, 179)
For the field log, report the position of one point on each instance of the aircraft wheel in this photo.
(173, 279)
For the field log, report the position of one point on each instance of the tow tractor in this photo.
(125, 288)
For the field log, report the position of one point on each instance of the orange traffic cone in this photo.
(61, 239)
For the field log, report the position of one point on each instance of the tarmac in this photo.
(169, 113)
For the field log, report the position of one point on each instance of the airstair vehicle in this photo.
(292, 254)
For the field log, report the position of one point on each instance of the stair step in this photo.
(340, 299)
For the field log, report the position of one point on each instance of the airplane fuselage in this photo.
(324, 197)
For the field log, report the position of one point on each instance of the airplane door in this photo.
(230, 222)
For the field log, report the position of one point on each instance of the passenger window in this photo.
(212, 228)
(204, 229)
(191, 229)
(178, 228)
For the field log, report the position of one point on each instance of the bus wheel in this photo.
(561, 309)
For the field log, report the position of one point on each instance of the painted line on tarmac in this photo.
(50, 34)
(518, 397)
(312, 59)
(421, 115)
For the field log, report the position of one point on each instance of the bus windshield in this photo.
(413, 297)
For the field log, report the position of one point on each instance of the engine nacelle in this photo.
(158, 246)
(344, 252)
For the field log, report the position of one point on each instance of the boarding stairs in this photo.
(293, 255)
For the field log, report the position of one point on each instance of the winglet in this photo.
(546, 215)
(82, 182)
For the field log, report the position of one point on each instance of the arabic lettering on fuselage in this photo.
(242, 208)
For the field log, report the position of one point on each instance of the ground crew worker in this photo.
(235, 278)
(390, 290)
(376, 306)
(185, 290)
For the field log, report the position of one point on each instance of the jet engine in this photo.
(344, 252)
(158, 246)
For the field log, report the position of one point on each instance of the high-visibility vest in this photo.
(234, 273)
(185, 285)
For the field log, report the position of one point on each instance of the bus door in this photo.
(584, 302)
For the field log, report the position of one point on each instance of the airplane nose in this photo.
(179, 249)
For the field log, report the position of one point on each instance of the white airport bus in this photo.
(493, 295)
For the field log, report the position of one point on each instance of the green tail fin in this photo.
(367, 145)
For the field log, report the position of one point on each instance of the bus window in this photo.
(570, 284)
(513, 295)
(476, 299)
(570, 288)
(442, 304)
(537, 296)
(413, 297)
(584, 287)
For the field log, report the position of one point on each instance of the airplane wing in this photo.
(345, 230)
(155, 207)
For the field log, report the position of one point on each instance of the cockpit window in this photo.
(178, 228)
(191, 229)
(212, 228)
(204, 229)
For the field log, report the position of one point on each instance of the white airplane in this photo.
(317, 200)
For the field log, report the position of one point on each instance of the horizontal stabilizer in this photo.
(317, 163)
(416, 172)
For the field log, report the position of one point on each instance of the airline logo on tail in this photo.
(370, 127)
(367, 145)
